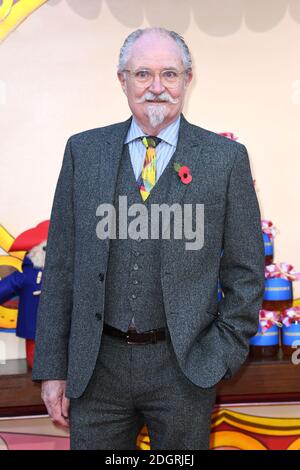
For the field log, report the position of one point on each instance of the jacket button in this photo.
(98, 316)
(101, 277)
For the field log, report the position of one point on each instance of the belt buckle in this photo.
(153, 339)
(128, 339)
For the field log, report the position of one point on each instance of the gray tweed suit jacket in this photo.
(210, 339)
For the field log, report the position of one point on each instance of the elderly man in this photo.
(130, 329)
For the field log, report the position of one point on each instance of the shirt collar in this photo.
(169, 134)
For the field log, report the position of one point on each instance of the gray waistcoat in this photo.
(133, 285)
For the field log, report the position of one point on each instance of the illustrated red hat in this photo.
(32, 237)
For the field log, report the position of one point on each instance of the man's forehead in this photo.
(155, 47)
(155, 40)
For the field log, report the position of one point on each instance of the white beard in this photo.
(156, 114)
(37, 255)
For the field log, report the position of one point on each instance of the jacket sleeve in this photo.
(10, 286)
(242, 264)
(55, 305)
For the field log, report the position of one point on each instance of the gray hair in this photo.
(125, 50)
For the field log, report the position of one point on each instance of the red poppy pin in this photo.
(184, 173)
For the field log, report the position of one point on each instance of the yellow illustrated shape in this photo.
(12, 14)
(6, 240)
(8, 316)
(234, 440)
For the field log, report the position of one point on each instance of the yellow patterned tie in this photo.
(148, 176)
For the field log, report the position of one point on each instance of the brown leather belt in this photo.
(133, 337)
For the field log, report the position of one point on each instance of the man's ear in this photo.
(122, 80)
(188, 78)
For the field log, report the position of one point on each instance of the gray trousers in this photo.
(133, 385)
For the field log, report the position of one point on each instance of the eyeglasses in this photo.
(144, 77)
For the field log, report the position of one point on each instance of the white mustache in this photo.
(149, 96)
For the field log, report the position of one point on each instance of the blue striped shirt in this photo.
(164, 151)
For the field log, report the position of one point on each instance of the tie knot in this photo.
(150, 141)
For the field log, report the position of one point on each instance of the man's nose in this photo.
(156, 85)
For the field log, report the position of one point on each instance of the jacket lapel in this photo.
(187, 154)
(111, 153)
(111, 149)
